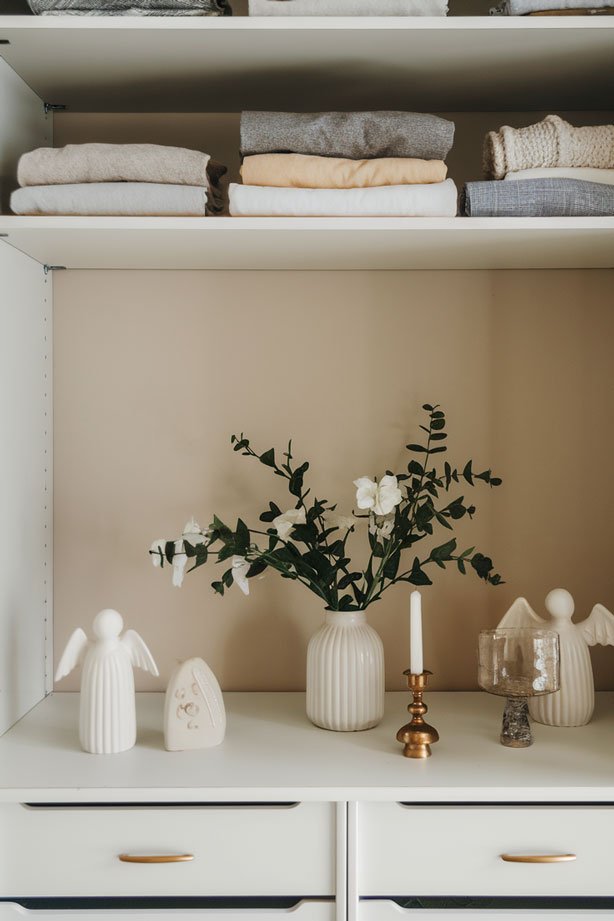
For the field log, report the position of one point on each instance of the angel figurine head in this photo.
(107, 715)
(574, 703)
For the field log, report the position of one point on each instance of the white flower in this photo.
(380, 498)
(192, 534)
(344, 522)
(381, 525)
(283, 524)
(240, 568)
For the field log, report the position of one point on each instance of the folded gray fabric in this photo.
(538, 198)
(523, 7)
(111, 198)
(348, 7)
(356, 135)
(132, 7)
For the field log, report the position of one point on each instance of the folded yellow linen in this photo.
(301, 171)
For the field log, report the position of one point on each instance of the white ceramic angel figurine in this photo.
(107, 716)
(574, 703)
(194, 713)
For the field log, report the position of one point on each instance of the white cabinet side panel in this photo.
(25, 484)
(24, 126)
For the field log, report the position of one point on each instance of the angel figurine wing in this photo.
(598, 627)
(73, 653)
(140, 655)
(521, 614)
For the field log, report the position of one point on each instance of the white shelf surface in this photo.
(313, 243)
(273, 753)
(484, 63)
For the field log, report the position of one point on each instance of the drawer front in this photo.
(237, 851)
(385, 910)
(305, 911)
(457, 850)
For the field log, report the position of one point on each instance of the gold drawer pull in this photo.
(155, 858)
(538, 858)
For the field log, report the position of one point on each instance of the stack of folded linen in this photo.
(348, 7)
(367, 164)
(552, 8)
(130, 7)
(118, 179)
(551, 170)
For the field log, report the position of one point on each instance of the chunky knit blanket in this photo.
(130, 7)
(551, 142)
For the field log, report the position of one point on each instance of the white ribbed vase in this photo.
(345, 673)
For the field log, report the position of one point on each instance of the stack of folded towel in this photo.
(348, 7)
(130, 7)
(368, 164)
(551, 170)
(118, 179)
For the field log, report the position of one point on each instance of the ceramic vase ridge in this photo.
(345, 673)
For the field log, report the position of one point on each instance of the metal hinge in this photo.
(53, 268)
(53, 107)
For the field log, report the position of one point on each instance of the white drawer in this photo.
(304, 911)
(385, 910)
(263, 850)
(456, 850)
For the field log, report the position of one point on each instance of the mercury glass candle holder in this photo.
(518, 663)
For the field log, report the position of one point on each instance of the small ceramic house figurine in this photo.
(107, 716)
(194, 714)
(574, 703)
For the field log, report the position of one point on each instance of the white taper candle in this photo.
(416, 664)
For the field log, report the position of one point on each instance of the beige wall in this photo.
(155, 370)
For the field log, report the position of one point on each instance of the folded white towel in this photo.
(585, 173)
(437, 199)
(111, 198)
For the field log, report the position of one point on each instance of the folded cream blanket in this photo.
(551, 142)
(348, 7)
(356, 135)
(434, 200)
(116, 198)
(302, 171)
(113, 163)
(583, 173)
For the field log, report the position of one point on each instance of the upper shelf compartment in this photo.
(225, 65)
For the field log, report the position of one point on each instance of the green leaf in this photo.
(467, 473)
(428, 407)
(256, 568)
(438, 436)
(415, 467)
(268, 458)
(443, 521)
(437, 424)
(495, 481)
(417, 449)
(218, 587)
(169, 550)
(444, 552)
(482, 564)
(242, 538)
(305, 533)
(461, 567)
(226, 552)
(273, 512)
(347, 580)
(439, 450)
(418, 577)
(227, 578)
(391, 567)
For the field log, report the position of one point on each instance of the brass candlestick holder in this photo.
(417, 736)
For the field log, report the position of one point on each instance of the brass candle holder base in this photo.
(417, 736)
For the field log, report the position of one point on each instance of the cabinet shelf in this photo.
(225, 65)
(313, 243)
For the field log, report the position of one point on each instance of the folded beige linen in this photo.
(78, 163)
(301, 171)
